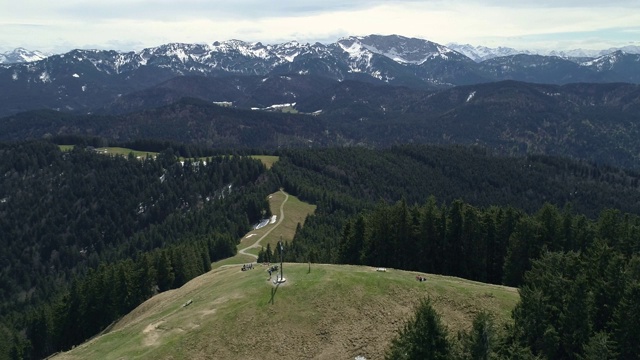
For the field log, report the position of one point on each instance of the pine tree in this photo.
(575, 323)
(261, 257)
(422, 337)
(454, 252)
(164, 272)
(428, 237)
(627, 323)
(524, 246)
(345, 243)
(268, 254)
(352, 241)
(480, 340)
(599, 347)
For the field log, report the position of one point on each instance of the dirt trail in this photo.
(257, 243)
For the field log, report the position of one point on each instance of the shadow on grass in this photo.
(273, 293)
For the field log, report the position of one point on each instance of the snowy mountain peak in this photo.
(629, 49)
(606, 62)
(400, 49)
(355, 48)
(482, 53)
(252, 50)
(289, 51)
(291, 44)
(21, 55)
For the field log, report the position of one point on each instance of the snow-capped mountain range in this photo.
(375, 56)
(482, 53)
(477, 53)
(82, 79)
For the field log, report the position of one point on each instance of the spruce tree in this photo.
(268, 254)
(422, 337)
(627, 323)
(480, 340)
(599, 347)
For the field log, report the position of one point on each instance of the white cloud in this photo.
(133, 24)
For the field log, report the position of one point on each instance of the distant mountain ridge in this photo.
(482, 53)
(86, 80)
(476, 53)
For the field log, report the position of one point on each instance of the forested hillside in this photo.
(459, 196)
(474, 174)
(593, 122)
(566, 232)
(188, 121)
(84, 237)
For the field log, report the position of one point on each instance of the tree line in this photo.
(494, 244)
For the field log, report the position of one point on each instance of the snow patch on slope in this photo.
(45, 77)
(473, 93)
(356, 50)
(276, 106)
(605, 62)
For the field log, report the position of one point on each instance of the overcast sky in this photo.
(61, 25)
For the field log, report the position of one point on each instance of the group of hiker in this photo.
(271, 270)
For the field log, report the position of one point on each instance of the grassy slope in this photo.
(335, 311)
(295, 212)
(267, 160)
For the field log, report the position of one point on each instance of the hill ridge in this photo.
(232, 314)
(333, 311)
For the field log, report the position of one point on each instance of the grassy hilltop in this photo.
(333, 312)
(329, 312)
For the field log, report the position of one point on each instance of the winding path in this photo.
(257, 243)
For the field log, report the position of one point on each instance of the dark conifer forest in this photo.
(566, 232)
(85, 237)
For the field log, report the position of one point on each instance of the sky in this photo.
(58, 26)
